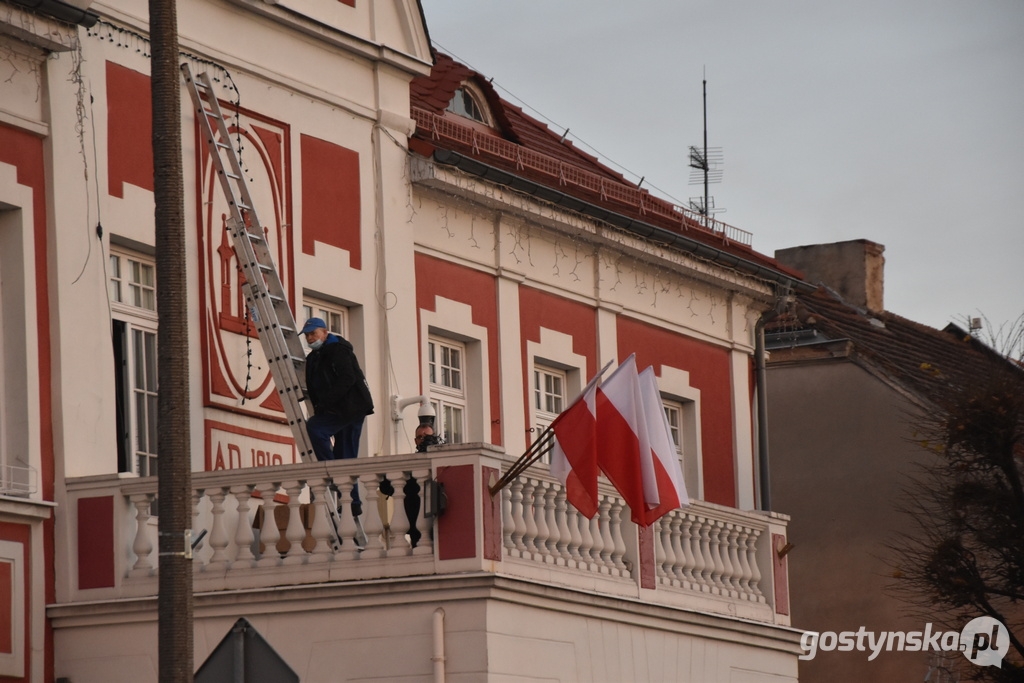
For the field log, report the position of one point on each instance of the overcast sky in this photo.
(898, 121)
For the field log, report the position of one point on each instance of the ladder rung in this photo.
(222, 144)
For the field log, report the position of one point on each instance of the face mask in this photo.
(316, 344)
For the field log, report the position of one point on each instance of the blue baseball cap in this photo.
(313, 324)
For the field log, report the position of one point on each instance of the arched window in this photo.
(465, 103)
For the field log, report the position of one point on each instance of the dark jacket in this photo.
(334, 381)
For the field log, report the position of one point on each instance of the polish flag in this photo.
(624, 454)
(574, 454)
(667, 471)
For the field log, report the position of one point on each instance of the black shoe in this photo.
(357, 508)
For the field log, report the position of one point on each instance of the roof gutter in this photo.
(60, 11)
(640, 228)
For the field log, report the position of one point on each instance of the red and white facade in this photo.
(494, 300)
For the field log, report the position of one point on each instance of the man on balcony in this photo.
(338, 391)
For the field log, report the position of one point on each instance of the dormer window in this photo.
(467, 104)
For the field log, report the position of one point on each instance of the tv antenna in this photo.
(706, 165)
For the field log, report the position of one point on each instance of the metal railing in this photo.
(18, 481)
(482, 144)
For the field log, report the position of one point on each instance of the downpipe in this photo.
(438, 657)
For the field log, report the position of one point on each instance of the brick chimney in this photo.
(854, 269)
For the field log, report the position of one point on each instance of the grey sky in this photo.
(897, 121)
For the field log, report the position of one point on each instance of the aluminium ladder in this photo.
(264, 293)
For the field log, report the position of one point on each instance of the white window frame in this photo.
(133, 305)
(452, 321)
(447, 389)
(549, 398)
(335, 315)
(677, 394)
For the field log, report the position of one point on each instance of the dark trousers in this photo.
(346, 435)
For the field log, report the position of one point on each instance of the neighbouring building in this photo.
(848, 386)
(472, 256)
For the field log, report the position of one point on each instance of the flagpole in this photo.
(543, 445)
(545, 441)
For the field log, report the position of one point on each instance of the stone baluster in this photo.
(219, 539)
(718, 564)
(664, 548)
(540, 543)
(518, 521)
(295, 532)
(322, 528)
(507, 525)
(607, 543)
(269, 533)
(702, 556)
(373, 525)
(676, 539)
(530, 520)
(744, 560)
(755, 571)
(562, 524)
(347, 525)
(243, 530)
(735, 569)
(597, 544)
(398, 546)
(551, 545)
(425, 546)
(660, 531)
(618, 545)
(586, 550)
(142, 545)
(573, 522)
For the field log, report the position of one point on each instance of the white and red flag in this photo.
(667, 471)
(574, 454)
(622, 438)
(619, 428)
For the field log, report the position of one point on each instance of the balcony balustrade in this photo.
(268, 528)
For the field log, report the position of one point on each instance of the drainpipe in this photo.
(782, 302)
(760, 358)
(438, 657)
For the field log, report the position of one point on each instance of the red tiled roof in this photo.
(528, 149)
(923, 360)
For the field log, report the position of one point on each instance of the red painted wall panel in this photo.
(779, 569)
(456, 528)
(129, 130)
(330, 198)
(539, 309)
(709, 369)
(96, 542)
(436, 277)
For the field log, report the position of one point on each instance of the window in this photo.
(445, 367)
(465, 104)
(674, 415)
(133, 282)
(132, 289)
(548, 399)
(335, 316)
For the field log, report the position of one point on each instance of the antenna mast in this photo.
(706, 165)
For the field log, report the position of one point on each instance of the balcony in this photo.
(706, 557)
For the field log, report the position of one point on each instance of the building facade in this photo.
(472, 258)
